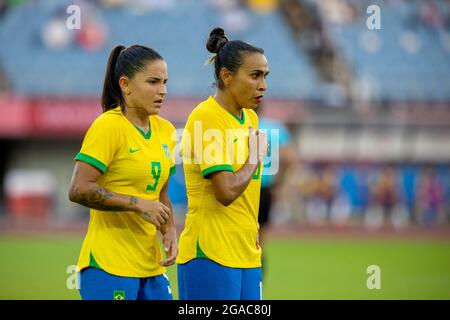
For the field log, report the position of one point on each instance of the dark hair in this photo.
(123, 61)
(228, 54)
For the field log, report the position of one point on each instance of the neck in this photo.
(227, 102)
(137, 117)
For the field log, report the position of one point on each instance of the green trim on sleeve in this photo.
(92, 161)
(173, 170)
(222, 167)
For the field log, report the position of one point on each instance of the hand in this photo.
(263, 146)
(170, 247)
(154, 212)
(257, 145)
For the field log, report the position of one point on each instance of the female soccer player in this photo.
(219, 255)
(122, 175)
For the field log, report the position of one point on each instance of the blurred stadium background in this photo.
(369, 111)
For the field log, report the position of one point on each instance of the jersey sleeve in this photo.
(100, 144)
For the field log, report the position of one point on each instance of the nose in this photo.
(163, 90)
(262, 86)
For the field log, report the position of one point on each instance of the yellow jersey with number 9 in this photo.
(216, 140)
(133, 163)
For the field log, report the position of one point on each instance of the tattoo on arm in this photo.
(133, 201)
(95, 198)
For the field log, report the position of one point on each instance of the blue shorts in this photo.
(204, 279)
(96, 284)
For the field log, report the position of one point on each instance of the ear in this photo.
(226, 77)
(124, 84)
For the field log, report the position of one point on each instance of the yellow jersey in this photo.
(136, 164)
(216, 140)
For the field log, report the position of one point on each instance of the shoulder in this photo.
(252, 116)
(108, 121)
(162, 124)
(205, 111)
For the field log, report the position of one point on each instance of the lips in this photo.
(259, 98)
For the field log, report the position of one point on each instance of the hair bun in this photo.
(216, 40)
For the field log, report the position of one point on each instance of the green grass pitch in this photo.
(35, 268)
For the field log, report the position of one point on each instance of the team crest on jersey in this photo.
(166, 150)
(119, 295)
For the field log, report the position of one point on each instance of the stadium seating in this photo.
(178, 34)
(404, 60)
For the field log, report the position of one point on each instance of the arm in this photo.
(228, 186)
(168, 229)
(85, 191)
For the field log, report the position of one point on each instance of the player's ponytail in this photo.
(111, 95)
(124, 62)
(227, 54)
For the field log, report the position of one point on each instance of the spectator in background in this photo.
(284, 158)
(113, 3)
(323, 194)
(408, 188)
(54, 34)
(430, 198)
(94, 31)
(91, 36)
(430, 15)
(233, 15)
(338, 12)
(262, 6)
(384, 194)
(302, 177)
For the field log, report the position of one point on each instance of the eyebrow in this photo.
(157, 78)
(259, 71)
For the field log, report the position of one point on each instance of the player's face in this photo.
(147, 89)
(248, 84)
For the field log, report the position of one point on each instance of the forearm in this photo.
(229, 186)
(95, 196)
(241, 179)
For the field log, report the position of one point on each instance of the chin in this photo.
(154, 111)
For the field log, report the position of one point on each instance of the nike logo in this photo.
(134, 150)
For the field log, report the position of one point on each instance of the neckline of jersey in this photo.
(241, 121)
(147, 135)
